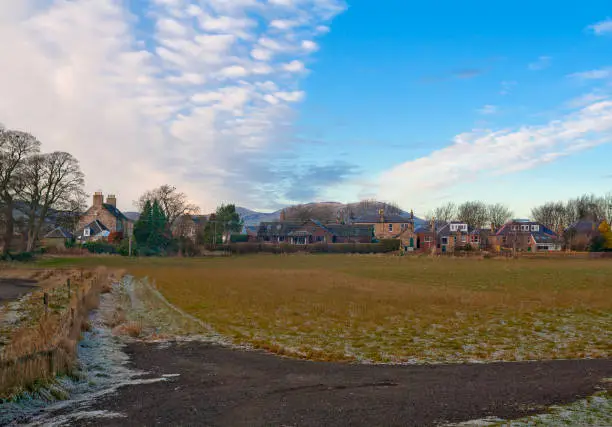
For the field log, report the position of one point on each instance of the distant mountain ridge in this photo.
(251, 217)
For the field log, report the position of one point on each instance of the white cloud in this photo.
(294, 66)
(309, 46)
(290, 96)
(602, 73)
(284, 24)
(488, 109)
(542, 63)
(602, 27)
(486, 154)
(198, 103)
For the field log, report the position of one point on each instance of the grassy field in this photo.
(395, 309)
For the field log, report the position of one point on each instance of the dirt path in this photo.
(221, 387)
(12, 288)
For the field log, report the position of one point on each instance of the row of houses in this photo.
(519, 235)
(103, 219)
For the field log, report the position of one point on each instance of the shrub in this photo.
(19, 257)
(391, 245)
(239, 238)
(100, 247)
(598, 244)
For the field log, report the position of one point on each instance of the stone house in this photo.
(387, 226)
(57, 238)
(525, 236)
(104, 216)
(189, 226)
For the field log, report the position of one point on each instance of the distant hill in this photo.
(132, 215)
(359, 209)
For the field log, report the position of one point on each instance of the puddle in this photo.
(103, 368)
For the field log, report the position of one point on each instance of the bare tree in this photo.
(320, 212)
(173, 203)
(15, 147)
(50, 181)
(554, 215)
(499, 214)
(68, 217)
(607, 207)
(475, 214)
(445, 213)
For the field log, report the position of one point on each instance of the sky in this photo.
(265, 103)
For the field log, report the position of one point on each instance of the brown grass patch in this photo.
(398, 308)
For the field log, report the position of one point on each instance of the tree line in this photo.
(38, 184)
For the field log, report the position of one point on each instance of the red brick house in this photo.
(388, 226)
(103, 217)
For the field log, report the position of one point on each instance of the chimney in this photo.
(381, 213)
(98, 199)
(111, 199)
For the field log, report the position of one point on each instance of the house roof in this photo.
(344, 230)
(59, 233)
(114, 211)
(387, 218)
(95, 226)
(290, 228)
(544, 238)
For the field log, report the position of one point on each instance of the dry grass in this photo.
(42, 342)
(398, 309)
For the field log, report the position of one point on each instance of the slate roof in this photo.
(59, 233)
(291, 228)
(95, 226)
(544, 238)
(343, 230)
(114, 211)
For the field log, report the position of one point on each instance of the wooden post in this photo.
(46, 301)
(68, 284)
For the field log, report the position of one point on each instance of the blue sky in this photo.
(271, 102)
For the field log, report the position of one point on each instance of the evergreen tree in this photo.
(158, 237)
(142, 228)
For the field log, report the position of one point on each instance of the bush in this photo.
(598, 244)
(239, 238)
(285, 248)
(100, 247)
(69, 243)
(19, 257)
(391, 245)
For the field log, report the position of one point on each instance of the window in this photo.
(390, 227)
(444, 240)
(463, 239)
(503, 239)
(427, 239)
(474, 238)
(514, 227)
(535, 228)
(524, 228)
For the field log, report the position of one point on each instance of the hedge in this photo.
(361, 248)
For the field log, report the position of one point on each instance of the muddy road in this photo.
(11, 288)
(215, 386)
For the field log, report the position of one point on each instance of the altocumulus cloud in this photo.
(195, 93)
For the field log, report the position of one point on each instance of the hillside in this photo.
(359, 209)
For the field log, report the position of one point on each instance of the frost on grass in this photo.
(392, 311)
(594, 411)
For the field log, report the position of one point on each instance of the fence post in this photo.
(68, 284)
(46, 301)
